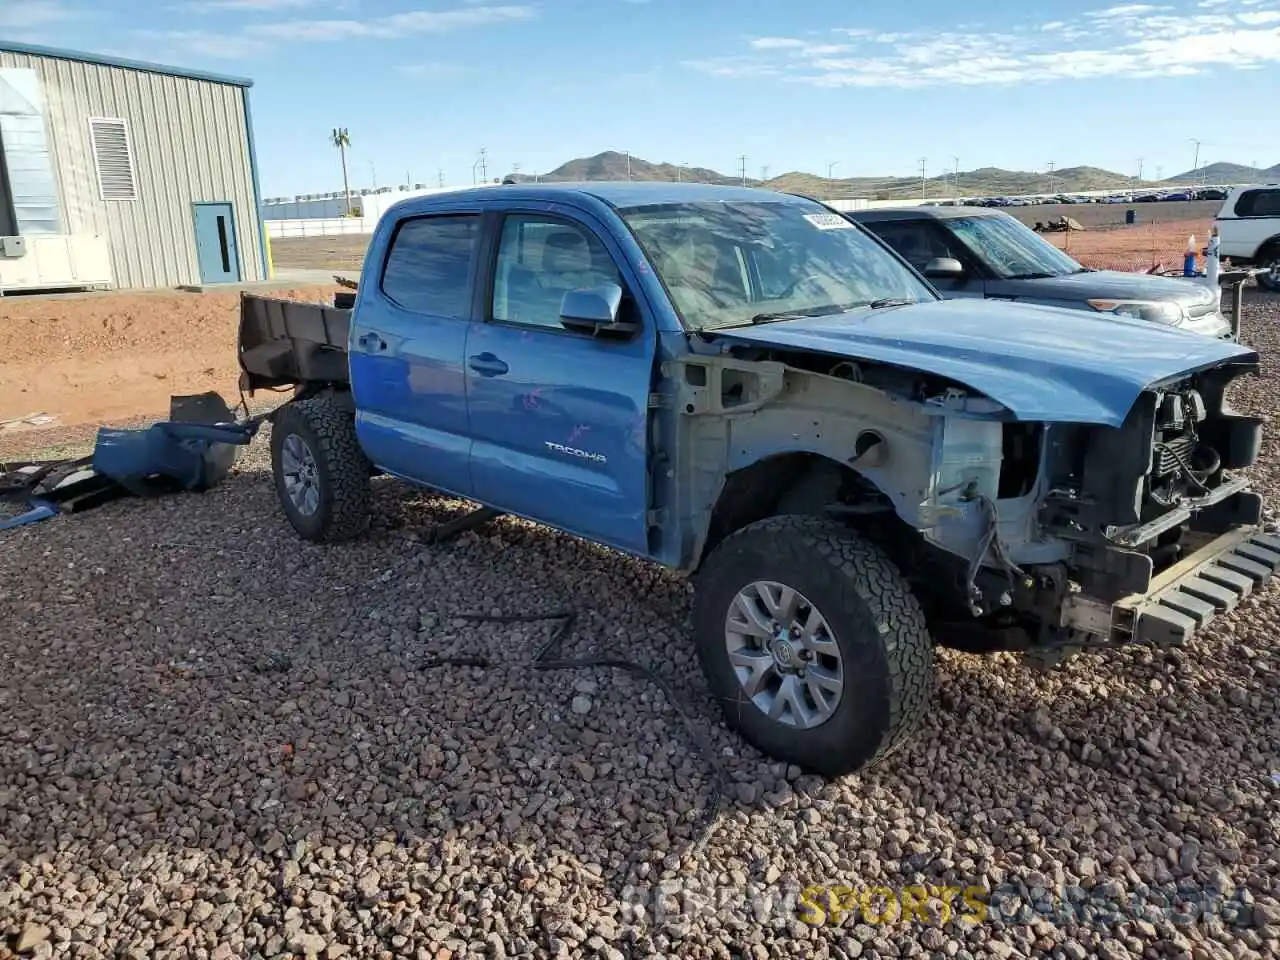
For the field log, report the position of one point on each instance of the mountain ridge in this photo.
(984, 181)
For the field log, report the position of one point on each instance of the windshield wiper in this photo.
(891, 302)
(1032, 276)
(771, 317)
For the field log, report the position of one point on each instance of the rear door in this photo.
(559, 418)
(921, 239)
(409, 329)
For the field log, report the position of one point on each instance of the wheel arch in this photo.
(1268, 246)
(794, 482)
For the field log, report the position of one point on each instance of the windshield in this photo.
(1011, 249)
(726, 264)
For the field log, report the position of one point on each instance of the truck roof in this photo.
(627, 193)
(933, 213)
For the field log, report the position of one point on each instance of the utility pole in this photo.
(831, 166)
(742, 162)
(680, 172)
(628, 155)
(1195, 163)
(482, 164)
(764, 173)
(1140, 159)
(440, 176)
(373, 174)
(1052, 164)
(956, 180)
(924, 185)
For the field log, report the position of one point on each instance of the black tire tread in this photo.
(1266, 256)
(907, 645)
(345, 468)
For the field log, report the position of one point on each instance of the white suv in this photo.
(1249, 231)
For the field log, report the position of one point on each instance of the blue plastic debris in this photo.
(167, 457)
(39, 510)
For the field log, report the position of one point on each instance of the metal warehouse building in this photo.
(124, 174)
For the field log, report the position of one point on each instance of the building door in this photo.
(216, 243)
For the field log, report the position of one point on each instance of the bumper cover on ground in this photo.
(1186, 597)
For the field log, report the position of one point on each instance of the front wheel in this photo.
(813, 643)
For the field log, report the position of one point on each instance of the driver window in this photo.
(539, 261)
(916, 241)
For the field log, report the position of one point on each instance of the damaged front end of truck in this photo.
(1039, 496)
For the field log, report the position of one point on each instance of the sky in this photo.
(857, 89)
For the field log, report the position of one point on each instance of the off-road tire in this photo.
(342, 470)
(875, 618)
(1271, 259)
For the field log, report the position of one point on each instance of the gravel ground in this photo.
(219, 741)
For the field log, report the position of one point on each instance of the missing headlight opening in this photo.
(1020, 463)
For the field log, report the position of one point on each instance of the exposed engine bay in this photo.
(1012, 517)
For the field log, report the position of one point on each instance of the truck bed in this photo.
(283, 343)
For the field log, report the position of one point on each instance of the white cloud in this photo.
(1124, 11)
(430, 68)
(251, 6)
(394, 25)
(777, 43)
(1141, 40)
(199, 43)
(26, 14)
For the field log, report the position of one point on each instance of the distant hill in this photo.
(985, 181)
(1226, 173)
(612, 165)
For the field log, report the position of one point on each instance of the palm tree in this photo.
(341, 139)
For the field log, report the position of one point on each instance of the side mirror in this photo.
(594, 310)
(944, 268)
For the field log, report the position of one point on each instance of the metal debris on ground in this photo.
(194, 450)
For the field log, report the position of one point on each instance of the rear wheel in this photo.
(321, 474)
(813, 643)
(1270, 261)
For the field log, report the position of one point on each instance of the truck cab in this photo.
(757, 393)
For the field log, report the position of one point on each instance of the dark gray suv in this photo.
(978, 252)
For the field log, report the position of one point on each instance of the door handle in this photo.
(487, 365)
(371, 341)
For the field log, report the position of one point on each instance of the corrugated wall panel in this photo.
(190, 145)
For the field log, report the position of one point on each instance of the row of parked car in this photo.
(1146, 196)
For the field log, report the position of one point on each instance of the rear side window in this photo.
(428, 268)
(1258, 203)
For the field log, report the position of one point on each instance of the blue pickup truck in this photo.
(749, 389)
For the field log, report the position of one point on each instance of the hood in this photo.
(1114, 285)
(1042, 363)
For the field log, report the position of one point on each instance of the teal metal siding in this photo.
(191, 143)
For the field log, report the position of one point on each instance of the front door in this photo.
(919, 240)
(559, 418)
(408, 332)
(216, 243)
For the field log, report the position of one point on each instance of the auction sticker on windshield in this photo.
(828, 221)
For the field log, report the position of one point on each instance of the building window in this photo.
(113, 159)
